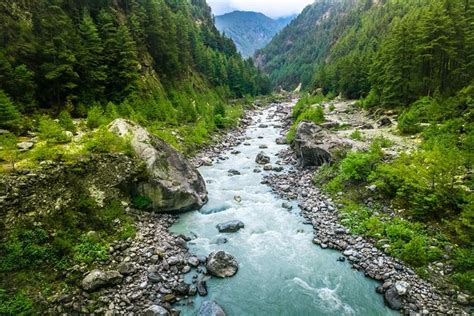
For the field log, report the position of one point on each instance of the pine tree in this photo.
(91, 67)
(8, 113)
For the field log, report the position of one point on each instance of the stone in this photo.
(281, 141)
(172, 183)
(97, 279)
(287, 205)
(211, 308)
(233, 172)
(307, 148)
(221, 264)
(262, 159)
(230, 226)
(156, 310)
(384, 122)
(193, 261)
(402, 287)
(392, 299)
(126, 268)
(267, 167)
(24, 146)
(154, 277)
(206, 161)
(201, 287)
(263, 146)
(463, 299)
(237, 198)
(263, 126)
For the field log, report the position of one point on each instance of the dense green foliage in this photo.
(60, 56)
(308, 108)
(249, 30)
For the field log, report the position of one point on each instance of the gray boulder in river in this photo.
(230, 226)
(211, 308)
(173, 183)
(308, 145)
(221, 264)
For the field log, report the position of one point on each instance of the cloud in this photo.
(272, 8)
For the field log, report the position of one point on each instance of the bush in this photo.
(9, 149)
(65, 121)
(371, 100)
(104, 141)
(96, 117)
(409, 121)
(357, 166)
(51, 131)
(89, 249)
(425, 182)
(16, 304)
(141, 202)
(356, 135)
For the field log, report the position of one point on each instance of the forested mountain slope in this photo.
(71, 55)
(249, 30)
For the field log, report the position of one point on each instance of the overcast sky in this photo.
(271, 8)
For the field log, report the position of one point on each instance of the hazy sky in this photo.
(271, 8)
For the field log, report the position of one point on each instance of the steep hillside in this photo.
(153, 58)
(291, 56)
(249, 30)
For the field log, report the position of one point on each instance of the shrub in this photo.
(16, 304)
(89, 249)
(357, 166)
(65, 121)
(409, 121)
(9, 149)
(51, 131)
(371, 100)
(425, 182)
(141, 202)
(356, 135)
(95, 117)
(104, 141)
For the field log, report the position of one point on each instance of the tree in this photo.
(9, 115)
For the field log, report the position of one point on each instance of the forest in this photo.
(156, 61)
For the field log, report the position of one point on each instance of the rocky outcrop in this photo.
(308, 145)
(97, 279)
(156, 310)
(221, 264)
(173, 183)
(230, 226)
(211, 308)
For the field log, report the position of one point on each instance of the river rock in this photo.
(221, 264)
(173, 184)
(230, 226)
(206, 161)
(211, 308)
(24, 146)
(262, 159)
(201, 287)
(308, 148)
(402, 287)
(392, 299)
(384, 121)
(126, 268)
(281, 141)
(233, 172)
(156, 310)
(97, 279)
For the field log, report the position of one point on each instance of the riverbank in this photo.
(402, 289)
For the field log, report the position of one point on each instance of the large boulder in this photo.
(230, 226)
(392, 299)
(211, 308)
(309, 148)
(97, 279)
(221, 264)
(173, 183)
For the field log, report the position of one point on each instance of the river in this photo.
(281, 272)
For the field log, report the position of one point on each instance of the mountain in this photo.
(292, 54)
(68, 55)
(250, 30)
